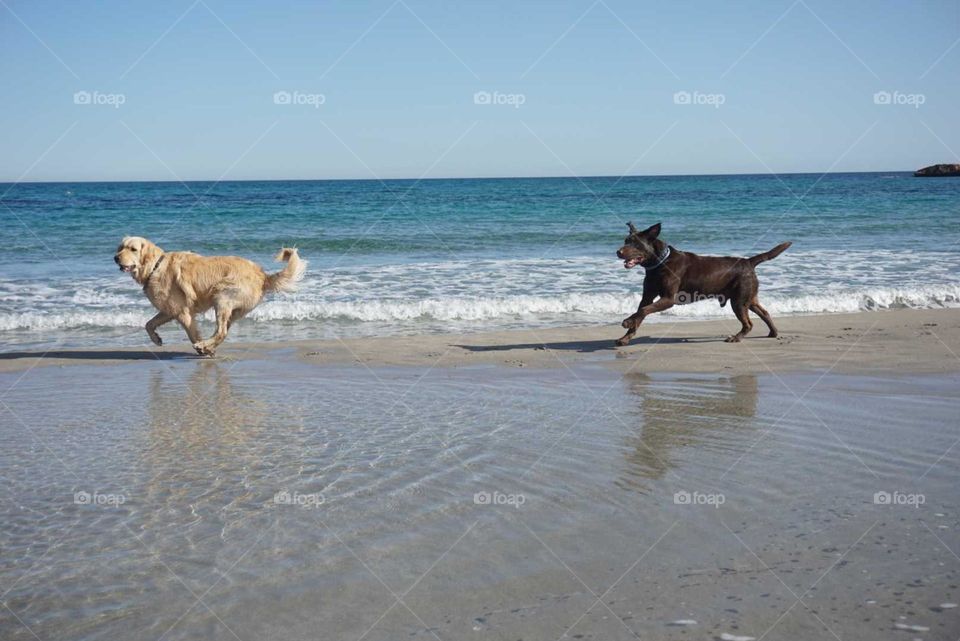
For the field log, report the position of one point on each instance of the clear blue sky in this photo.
(597, 81)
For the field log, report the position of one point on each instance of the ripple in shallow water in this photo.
(292, 499)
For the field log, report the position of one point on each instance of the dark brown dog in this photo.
(679, 277)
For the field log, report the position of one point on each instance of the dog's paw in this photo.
(732, 339)
(156, 340)
(202, 349)
(622, 342)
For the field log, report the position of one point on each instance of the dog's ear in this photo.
(651, 232)
(148, 253)
(633, 230)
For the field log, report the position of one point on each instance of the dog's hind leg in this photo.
(764, 315)
(224, 318)
(746, 325)
(189, 324)
(235, 316)
(155, 322)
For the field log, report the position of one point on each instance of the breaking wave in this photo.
(572, 307)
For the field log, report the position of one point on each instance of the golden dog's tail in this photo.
(287, 278)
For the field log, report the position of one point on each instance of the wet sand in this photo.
(901, 340)
(292, 492)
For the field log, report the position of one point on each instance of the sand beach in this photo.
(510, 485)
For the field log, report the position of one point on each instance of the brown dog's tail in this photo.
(770, 255)
(287, 278)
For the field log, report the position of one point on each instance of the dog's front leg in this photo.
(155, 322)
(651, 290)
(625, 339)
(631, 323)
(665, 302)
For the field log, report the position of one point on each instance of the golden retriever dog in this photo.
(183, 285)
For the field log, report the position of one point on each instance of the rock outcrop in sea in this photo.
(938, 171)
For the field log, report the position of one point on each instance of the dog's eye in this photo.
(133, 249)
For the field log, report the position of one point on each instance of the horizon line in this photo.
(422, 179)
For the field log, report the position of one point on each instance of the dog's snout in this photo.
(619, 253)
(116, 258)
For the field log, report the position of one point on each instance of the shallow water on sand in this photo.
(251, 499)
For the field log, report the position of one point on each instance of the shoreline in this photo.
(909, 341)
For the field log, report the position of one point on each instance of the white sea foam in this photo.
(489, 294)
(575, 307)
(483, 308)
(46, 321)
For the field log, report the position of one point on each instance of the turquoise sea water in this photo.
(404, 256)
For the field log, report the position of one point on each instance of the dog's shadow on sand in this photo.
(606, 345)
(102, 355)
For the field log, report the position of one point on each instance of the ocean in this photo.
(467, 255)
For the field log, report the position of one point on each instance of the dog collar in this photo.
(155, 265)
(661, 259)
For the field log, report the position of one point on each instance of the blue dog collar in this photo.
(660, 260)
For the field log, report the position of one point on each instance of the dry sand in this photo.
(901, 340)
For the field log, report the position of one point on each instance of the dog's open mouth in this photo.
(126, 268)
(630, 263)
